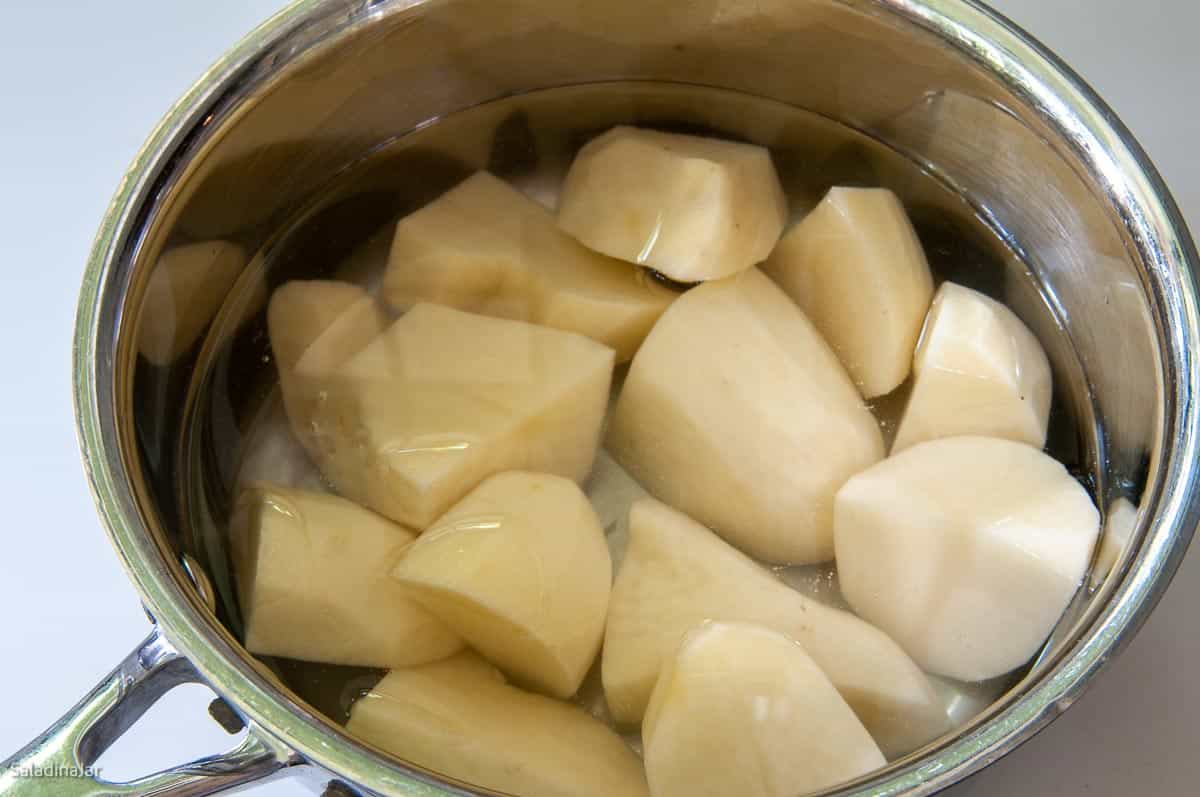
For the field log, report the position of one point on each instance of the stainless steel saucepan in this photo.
(979, 105)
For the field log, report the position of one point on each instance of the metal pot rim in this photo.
(1063, 101)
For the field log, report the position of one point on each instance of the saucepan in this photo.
(166, 354)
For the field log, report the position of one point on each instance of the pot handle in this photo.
(59, 762)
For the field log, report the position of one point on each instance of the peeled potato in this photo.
(738, 413)
(458, 718)
(487, 248)
(1119, 524)
(677, 574)
(316, 327)
(966, 550)
(187, 287)
(857, 270)
(302, 310)
(693, 208)
(443, 399)
(314, 581)
(978, 371)
(743, 710)
(520, 569)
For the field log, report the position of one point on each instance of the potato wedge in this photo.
(313, 573)
(520, 569)
(742, 709)
(978, 371)
(1120, 522)
(301, 311)
(857, 270)
(966, 550)
(443, 399)
(677, 574)
(736, 412)
(693, 208)
(316, 326)
(459, 718)
(486, 248)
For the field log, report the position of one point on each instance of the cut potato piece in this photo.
(316, 326)
(693, 208)
(302, 310)
(739, 414)
(314, 581)
(486, 248)
(1119, 524)
(742, 710)
(677, 574)
(857, 270)
(978, 371)
(186, 289)
(458, 718)
(443, 399)
(520, 569)
(966, 550)
(348, 334)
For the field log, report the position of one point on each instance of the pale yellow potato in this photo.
(1120, 522)
(977, 371)
(315, 327)
(302, 310)
(966, 550)
(677, 575)
(186, 289)
(857, 270)
(520, 569)
(737, 412)
(443, 399)
(314, 581)
(742, 710)
(693, 208)
(486, 248)
(460, 719)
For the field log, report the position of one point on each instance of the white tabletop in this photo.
(82, 83)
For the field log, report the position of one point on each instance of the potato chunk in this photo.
(443, 399)
(458, 718)
(486, 248)
(301, 311)
(187, 287)
(677, 574)
(316, 326)
(314, 580)
(856, 268)
(978, 371)
(1120, 523)
(966, 550)
(520, 569)
(743, 710)
(693, 208)
(738, 413)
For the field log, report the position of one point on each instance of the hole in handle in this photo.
(165, 735)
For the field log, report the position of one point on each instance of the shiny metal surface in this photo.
(945, 82)
(65, 753)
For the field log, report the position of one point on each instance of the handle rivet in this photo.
(225, 716)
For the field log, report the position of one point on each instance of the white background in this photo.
(81, 84)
